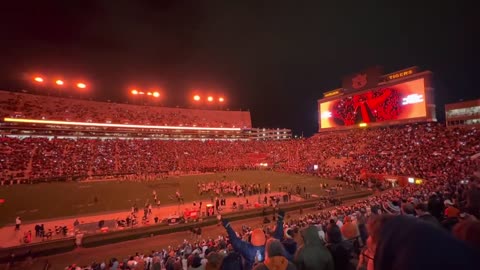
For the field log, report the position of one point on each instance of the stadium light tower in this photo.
(156, 94)
(210, 99)
(221, 99)
(134, 92)
(196, 98)
(81, 85)
(59, 82)
(38, 79)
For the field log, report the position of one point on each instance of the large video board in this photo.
(396, 102)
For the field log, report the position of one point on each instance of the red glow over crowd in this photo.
(428, 151)
(405, 228)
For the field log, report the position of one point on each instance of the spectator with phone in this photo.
(275, 257)
(253, 251)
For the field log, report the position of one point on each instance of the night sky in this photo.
(275, 58)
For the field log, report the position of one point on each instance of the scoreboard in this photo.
(397, 100)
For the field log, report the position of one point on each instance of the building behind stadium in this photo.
(463, 114)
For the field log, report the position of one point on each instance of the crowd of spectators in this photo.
(444, 210)
(427, 151)
(30, 106)
(431, 226)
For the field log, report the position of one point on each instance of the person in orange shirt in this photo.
(349, 229)
(450, 210)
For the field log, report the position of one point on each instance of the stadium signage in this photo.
(412, 99)
(54, 122)
(336, 92)
(401, 74)
(326, 114)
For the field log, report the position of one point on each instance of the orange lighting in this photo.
(134, 92)
(210, 99)
(59, 82)
(81, 85)
(38, 79)
(149, 93)
(221, 99)
(196, 98)
(156, 94)
(141, 93)
(54, 122)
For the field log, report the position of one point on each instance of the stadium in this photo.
(80, 177)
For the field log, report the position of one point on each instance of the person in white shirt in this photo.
(184, 262)
(18, 222)
(339, 223)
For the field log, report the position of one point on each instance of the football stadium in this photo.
(227, 135)
(86, 175)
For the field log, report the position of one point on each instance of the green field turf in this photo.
(53, 200)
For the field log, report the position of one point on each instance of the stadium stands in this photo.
(427, 151)
(445, 158)
(22, 105)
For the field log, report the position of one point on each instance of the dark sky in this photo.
(275, 58)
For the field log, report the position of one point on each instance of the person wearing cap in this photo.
(349, 229)
(313, 255)
(391, 207)
(289, 244)
(275, 257)
(451, 216)
(450, 209)
(253, 251)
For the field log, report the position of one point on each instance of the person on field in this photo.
(18, 222)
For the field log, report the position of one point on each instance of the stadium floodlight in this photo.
(68, 123)
(38, 79)
(59, 82)
(134, 92)
(156, 94)
(141, 93)
(221, 99)
(149, 93)
(81, 85)
(196, 98)
(210, 99)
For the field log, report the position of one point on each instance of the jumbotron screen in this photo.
(401, 101)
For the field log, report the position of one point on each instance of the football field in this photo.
(66, 199)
